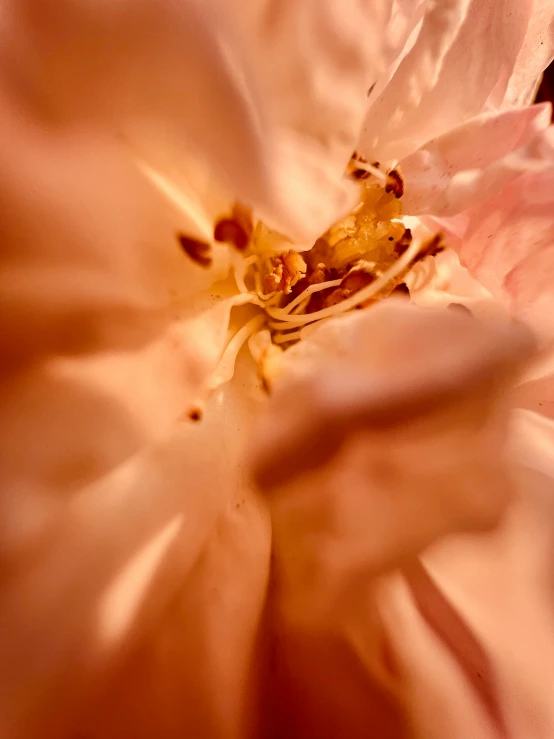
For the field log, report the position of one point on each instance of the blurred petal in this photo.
(364, 466)
(429, 93)
(472, 162)
(100, 590)
(359, 434)
(137, 61)
(161, 76)
(109, 329)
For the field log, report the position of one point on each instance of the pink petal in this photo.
(509, 244)
(316, 61)
(471, 162)
(536, 53)
(448, 76)
(481, 574)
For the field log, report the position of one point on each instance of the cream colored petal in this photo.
(317, 61)
(141, 593)
(149, 71)
(429, 93)
(472, 162)
(109, 329)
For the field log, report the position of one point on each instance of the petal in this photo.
(508, 244)
(317, 60)
(351, 501)
(291, 91)
(136, 60)
(455, 36)
(481, 574)
(536, 53)
(149, 573)
(361, 407)
(472, 162)
(109, 329)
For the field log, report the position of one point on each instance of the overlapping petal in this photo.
(430, 94)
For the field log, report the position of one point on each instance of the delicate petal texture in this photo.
(472, 162)
(428, 94)
(317, 60)
(155, 573)
(509, 244)
(536, 53)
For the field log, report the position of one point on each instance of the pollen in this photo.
(286, 271)
(395, 183)
(235, 229)
(199, 251)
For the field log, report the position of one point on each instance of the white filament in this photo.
(284, 312)
(226, 366)
(371, 169)
(359, 297)
(240, 268)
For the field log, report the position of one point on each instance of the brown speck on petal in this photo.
(235, 229)
(395, 183)
(195, 414)
(198, 251)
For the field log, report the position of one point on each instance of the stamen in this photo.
(284, 312)
(226, 367)
(198, 251)
(360, 297)
(366, 167)
(240, 268)
(285, 338)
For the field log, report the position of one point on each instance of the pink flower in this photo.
(388, 574)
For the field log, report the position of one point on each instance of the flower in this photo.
(137, 592)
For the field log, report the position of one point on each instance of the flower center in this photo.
(361, 259)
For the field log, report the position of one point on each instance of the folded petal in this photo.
(472, 162)
(448, 76)
(509, 243)
(364, 466)
(481, 574)
(535, 54)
